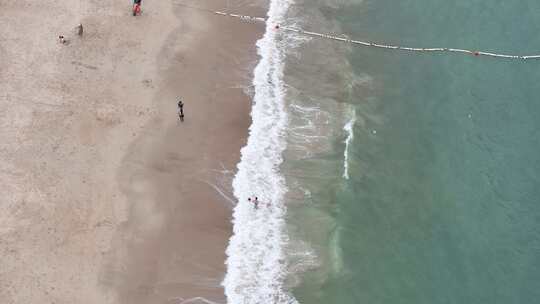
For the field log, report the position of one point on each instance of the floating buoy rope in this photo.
(365, 43)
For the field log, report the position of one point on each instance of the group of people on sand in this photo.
(79, 28)
(136, 10)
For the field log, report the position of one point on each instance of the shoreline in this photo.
(110, 198)
(182, 177)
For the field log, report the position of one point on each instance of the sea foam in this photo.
(256, 267)
(350, 136)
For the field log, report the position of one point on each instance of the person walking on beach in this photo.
(181, 110)
(136, 7)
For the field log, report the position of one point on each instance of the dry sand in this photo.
(105, 196)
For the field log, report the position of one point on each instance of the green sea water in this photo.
(442, 204)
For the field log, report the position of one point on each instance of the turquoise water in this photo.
(443, 200)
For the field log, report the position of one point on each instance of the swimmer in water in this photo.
(255, 202)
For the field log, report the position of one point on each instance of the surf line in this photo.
(366, 43)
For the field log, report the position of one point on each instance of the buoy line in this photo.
(365, 43)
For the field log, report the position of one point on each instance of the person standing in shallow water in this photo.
(181, 110)
(254, 201)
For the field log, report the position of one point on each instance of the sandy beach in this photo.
(106, 196)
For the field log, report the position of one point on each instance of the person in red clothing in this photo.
(136, 7)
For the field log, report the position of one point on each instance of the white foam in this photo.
(349, 126)
(256, 266)
(193, 301)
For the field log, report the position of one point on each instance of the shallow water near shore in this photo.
(438, 203)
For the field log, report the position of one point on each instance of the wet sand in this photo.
(107, 196)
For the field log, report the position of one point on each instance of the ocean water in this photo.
(391, 177)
